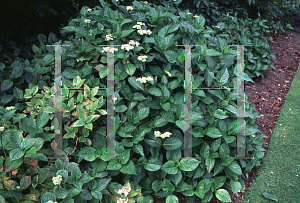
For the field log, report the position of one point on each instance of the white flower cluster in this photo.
(89, 10)
(10, 108)
(158, 134)
(142, 58)
(80, 59)
(57, 180)
(1, 128)
(122, 200)
(128, 47)
(140, 31)
(144, 79)
(169, 74)
(124, 190)
(109, 37)
(129, 8)
(87, 20)
(50, 201)
(107, 49)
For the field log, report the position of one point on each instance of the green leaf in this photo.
(80, 114)
(213, 132)
(172, 199)
(270, 196)
(18, 93)
(223, 195)
(17, 71)
(64, 175)
(6, 84)
(42, 120)
(91, 118)
(30, 152)
(60, 192)
(220, 114)
(188, 164)
(70, 73)
(114, 164)
(167, 186)
(48, 196)
(211, 52)
(135, 84)
(128, 168)
(170, 168)
(224, 78)
(49, 58)
(235, 186)
(172, 143)
(182, 125)
(154, 91)
(121, 108)
(102, 183)
(235, 168)
(103, 72)
(25, 182)
(130, 68)
(156, 185)
(125, 33)
(49, 109)
(153, 164)
(143, 112)
(171, 56)
(78, 123)
(76, 173)
(209, 163)
(97, 194)
(17, 139)
(88, 153)
(89, 126)
(16, 154)
(11, 165)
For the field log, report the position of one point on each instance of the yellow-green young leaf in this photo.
(94, 106)
(78, 123)
(34, 90)
(94, 91)
(91, 118)
(80, 114)
(102, 111)
(69, 135)
(79, 98)
(49, 109)
(89, 126)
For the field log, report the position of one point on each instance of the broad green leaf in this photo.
(25, 182)
(156, 185)
(42, 120)
(89, 126)
(209, 163)
(235, 168)
(114, 164)
(16, 154)
(220, 114)
(48, 196)
(48, 109)
(78, 123)
(224, 78)
(97, 194)
(172, 199)
(154, 91)
(153, 164)
(11, 165)
(121, 108)
(167, 186)
(6, 84)
(91, 118)
(135, 84)
(16, 139)
(128, 168)
(64, 175)
(223, 195)
(270, 196)
(188, 164)
(143, 112)
(235, 186)
(213, 132)
(211, 52)
(60, 192)
(170, 168)
(49, 58)
(80, 114)
(76, 173)
(172, 143)
(130, 68)
(87, 153)
(30, 152)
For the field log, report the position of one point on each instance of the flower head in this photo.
(57, 180)
(109, 37)
(129, 8)
(89, 10)
(1, 128)
(127, 47)
(142, 58)
(196, 16)
(158, 134)
(168, 73)
(107, 49)
(87, 20)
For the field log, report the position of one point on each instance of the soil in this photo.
(267, 95)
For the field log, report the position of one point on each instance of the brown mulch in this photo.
(267, 95)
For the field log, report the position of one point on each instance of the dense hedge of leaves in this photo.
(144, 110)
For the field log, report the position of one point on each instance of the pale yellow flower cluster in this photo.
(50, 201)
(1, 128)
(87, 20)
(10, 108)
(126, 191)
(142, 58)
(80, 59)
(57, 180)
(140, 31)
(145, 79)
(129, 8)
(169, 74)
(107, 49)
(89, 10)
(158, 134)
(109, 37)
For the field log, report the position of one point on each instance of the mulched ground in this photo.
(267, 95)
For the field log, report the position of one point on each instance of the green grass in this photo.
(283, 155)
